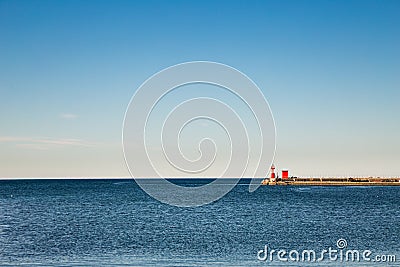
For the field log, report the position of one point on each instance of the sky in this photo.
(330, 71)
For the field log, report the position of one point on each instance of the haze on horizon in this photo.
(329, 70)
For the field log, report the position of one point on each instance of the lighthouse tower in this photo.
(273, 177)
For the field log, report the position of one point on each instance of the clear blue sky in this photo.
(329, 69)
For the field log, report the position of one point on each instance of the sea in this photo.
(111, 222)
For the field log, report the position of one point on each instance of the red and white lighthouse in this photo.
(273, 172)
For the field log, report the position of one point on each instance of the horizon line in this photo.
(133, 178)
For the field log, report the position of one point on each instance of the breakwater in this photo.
(370, 181)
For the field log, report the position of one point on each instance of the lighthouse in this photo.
(273, 172)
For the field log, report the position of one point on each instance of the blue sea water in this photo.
(114, 223)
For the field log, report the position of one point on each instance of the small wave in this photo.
(301, 189)
(119, 183)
